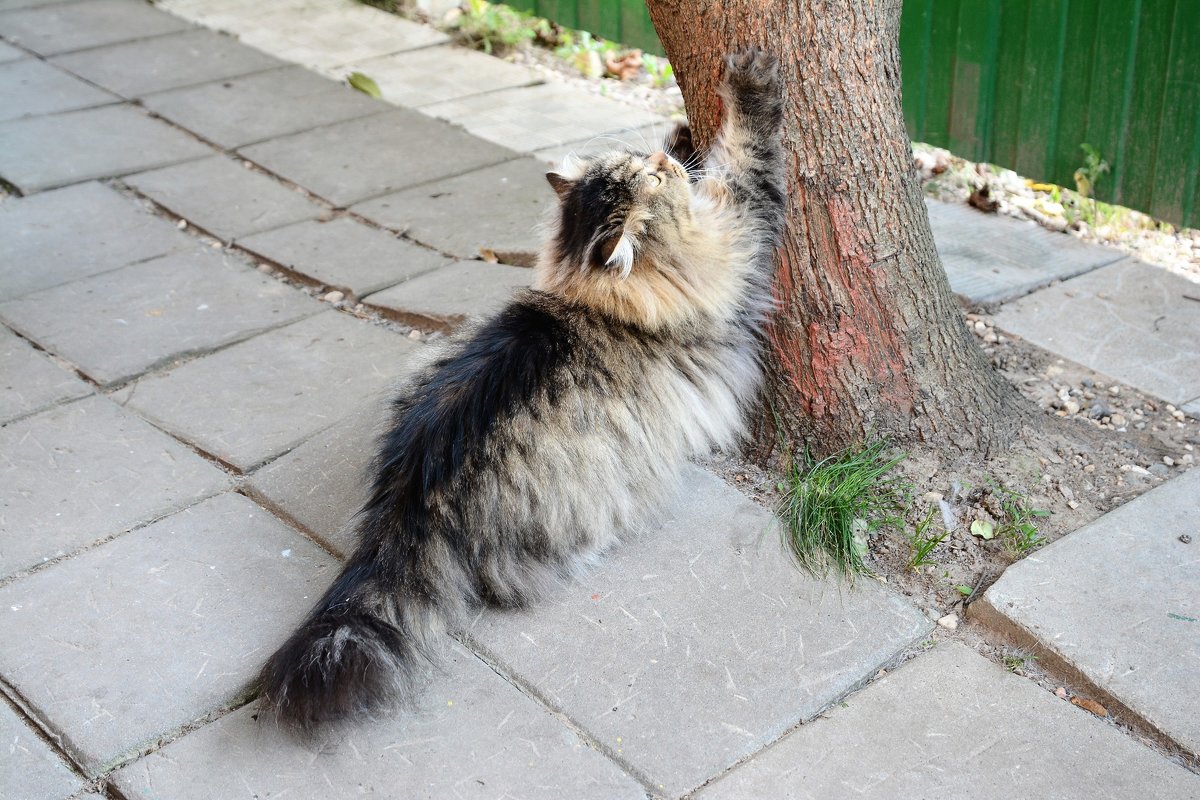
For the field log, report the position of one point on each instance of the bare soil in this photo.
(1098, 445)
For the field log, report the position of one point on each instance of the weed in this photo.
(922, 544)
(1018, 530)
(830, 507)
(492, 26)
(1087, 176)
(659, 69)
(1017, 662)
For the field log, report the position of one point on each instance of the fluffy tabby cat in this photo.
(544, 433)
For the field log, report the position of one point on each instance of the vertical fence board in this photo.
(1075, 99)
(916, 31)
(1006, 124)
(974, 87)
(1174, 163)
(1145, 113)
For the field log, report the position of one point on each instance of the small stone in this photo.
(1118, 420)
(333, 297)
(182, 224)
(1161, 470)
(1185, 538)
(1114, 390)
(1072, 504)
(1188, 458)
(949, 622)
(1089, 468)
(1061, 692)
(264, 268)
(980, 328)
(1066, 491)
(1099, 411)
(1070, 406)
(1170, 462)
(414, 334)
(1135, 469)
(990, 338)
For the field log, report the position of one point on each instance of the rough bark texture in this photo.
(868, 340)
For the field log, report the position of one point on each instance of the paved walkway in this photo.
(190, 387)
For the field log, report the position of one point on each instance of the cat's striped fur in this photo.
(541, 435)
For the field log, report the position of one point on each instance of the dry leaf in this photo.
(488, 255)
(982, 200)
(625, 66)
(1090, 705)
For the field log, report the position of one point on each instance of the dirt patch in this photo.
(1100, 445)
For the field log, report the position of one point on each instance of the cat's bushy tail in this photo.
(360, 648)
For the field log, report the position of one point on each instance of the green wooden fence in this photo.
(1023, 83)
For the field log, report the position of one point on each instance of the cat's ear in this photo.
(560, 184)
(618, 254)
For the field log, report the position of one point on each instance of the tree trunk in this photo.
(868, 340)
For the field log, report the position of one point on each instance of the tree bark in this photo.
(868, 340)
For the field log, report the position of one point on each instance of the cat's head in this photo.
(617, 207)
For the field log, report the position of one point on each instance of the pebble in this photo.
(949, 622)
(1114, 390)
(1118, 420)
(1061, 692)
(1161, 470)
(414, 334)
(1090, 468)
(1185, 538)
(1170, 462)
(1071, 407)
(1072, 504)
(264, 267)
(182, 224)
(334, 297)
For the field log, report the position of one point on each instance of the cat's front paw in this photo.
(753, 84)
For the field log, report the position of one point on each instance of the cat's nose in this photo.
(658, 160)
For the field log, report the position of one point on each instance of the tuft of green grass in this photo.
(923, 544)
(1018, 530)
(829, 507)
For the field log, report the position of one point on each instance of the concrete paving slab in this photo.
(10, 53)
(1116, 604)
(1130, 321)
(120, 324)
(328, 36)
(323, 483)
(138, 68)
(495, 208)
(224, 197)
(49, 239)
(33, 87)
(470, 735)
(344, 253)
(258, 399)
(444, 299)
(538, 117)
(10, 5)
(64, 27)
(175, 629)
(992, 258)
(371, 156)
(30, 380)
(950, 723)
(252, 108)
(86, 470)
(30, 770)
(700, 643)
(38, 153)
(436, 74)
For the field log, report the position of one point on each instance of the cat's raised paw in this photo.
(752, 70)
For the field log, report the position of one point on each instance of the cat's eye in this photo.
(652, 179)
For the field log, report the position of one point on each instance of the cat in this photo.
(543, 434)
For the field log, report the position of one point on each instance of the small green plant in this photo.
(1017, 662)
(1018, 530)
(491, 26)
(923, 543)
(659, 69)
(829, 507)
(585, 52)
(1088, 175)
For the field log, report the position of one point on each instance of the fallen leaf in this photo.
(364, 84)
(983, 529)
(1090, 705)
(488, 255)
(624, 67)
